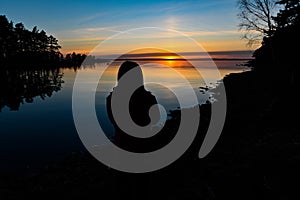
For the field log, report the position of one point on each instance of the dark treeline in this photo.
(261, 132)
(278, 58)
(22, 47)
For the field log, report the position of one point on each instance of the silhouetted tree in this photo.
(20, 37)
(20, 46)
(276, 60)
(6, 38)
(74, 60)
(256, 19)
(289, 15)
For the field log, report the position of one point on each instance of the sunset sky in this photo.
(82, 25)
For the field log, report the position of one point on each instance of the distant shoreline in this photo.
(182, 56)
(182, 59)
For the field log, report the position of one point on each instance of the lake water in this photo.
(36, 106)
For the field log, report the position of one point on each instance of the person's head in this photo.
(129, 65)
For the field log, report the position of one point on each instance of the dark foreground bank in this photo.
(257, 157)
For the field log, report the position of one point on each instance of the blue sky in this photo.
(81, 25)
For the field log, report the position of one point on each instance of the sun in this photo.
(171, 57)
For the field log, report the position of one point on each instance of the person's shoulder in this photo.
(150, 96)
(110, 94)
(148, 93)
(108, 98)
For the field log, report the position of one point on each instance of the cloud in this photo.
(90, 30)
(89, 37)
(92, 17)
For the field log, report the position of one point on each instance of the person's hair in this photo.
(125, 67)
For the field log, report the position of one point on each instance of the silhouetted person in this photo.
(139, 105)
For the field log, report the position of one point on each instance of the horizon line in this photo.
(247, 53)
(184, 52)
(180, 59)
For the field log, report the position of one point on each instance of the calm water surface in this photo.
(36, 123)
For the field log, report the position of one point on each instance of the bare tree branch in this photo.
(256, 19)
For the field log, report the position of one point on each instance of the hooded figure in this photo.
(140, 103)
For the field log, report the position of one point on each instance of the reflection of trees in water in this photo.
(20, 86)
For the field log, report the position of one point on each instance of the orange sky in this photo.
(209, 44)
(210, 41)
(81, 25)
